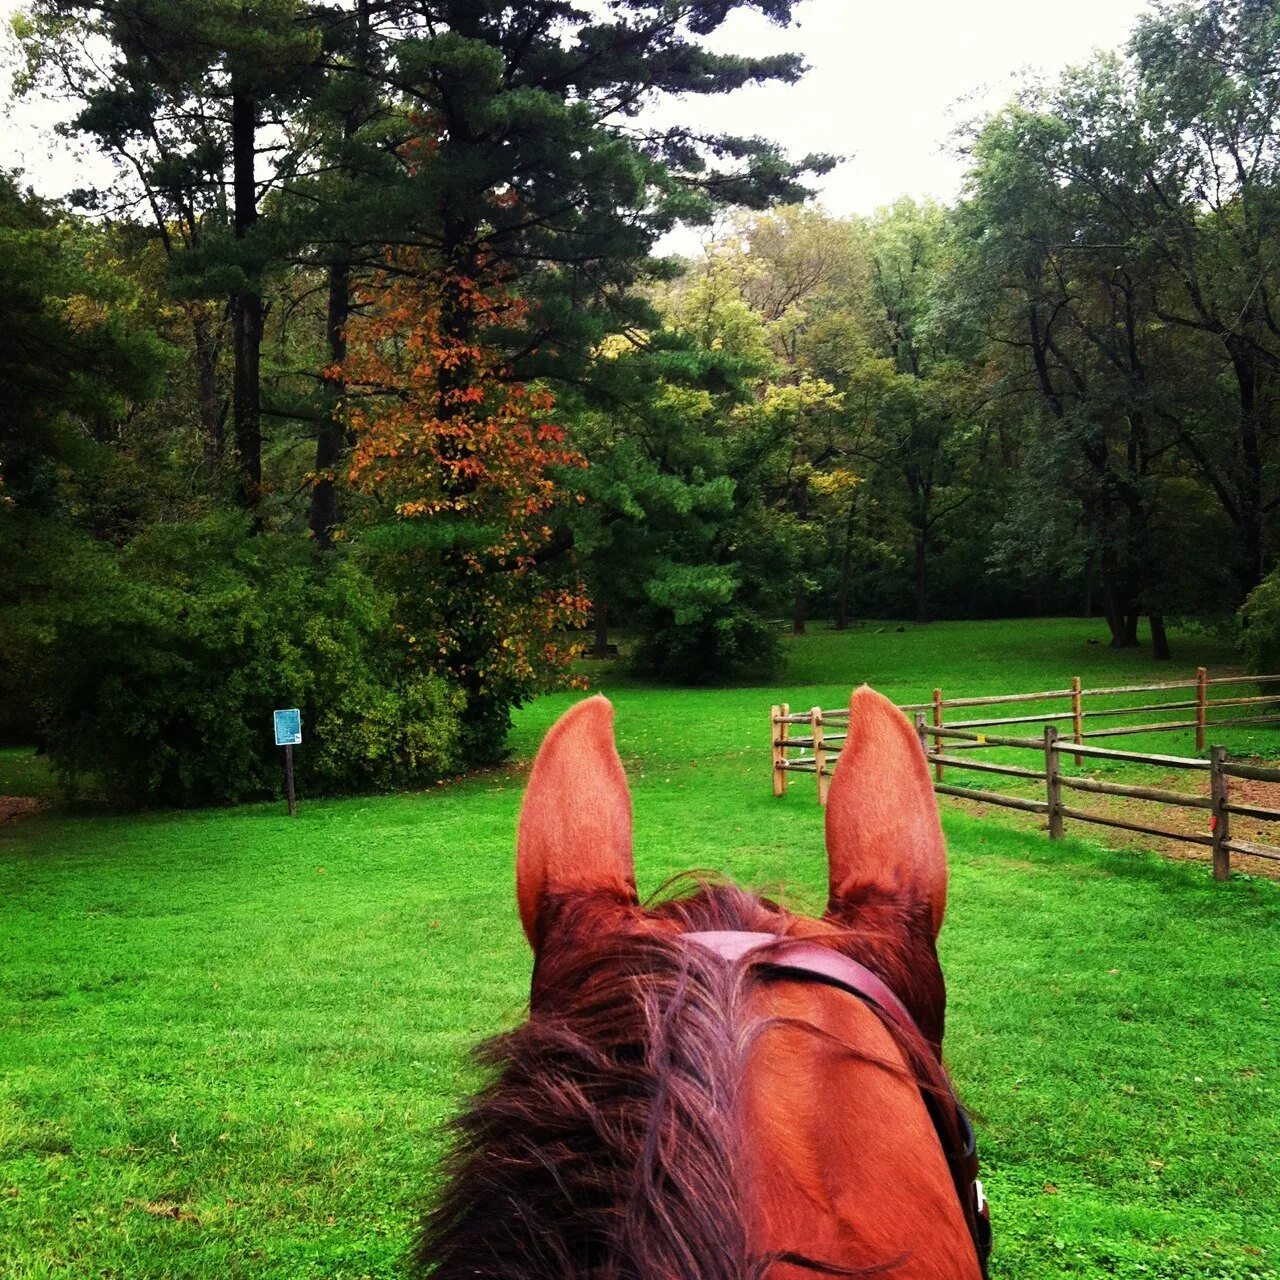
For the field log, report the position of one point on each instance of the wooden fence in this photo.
(828, 729)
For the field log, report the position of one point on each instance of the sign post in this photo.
(288, 726)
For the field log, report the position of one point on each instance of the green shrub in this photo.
(1260, 626)
(47, 564)
(732, 642)
(158, 686)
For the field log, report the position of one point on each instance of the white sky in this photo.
(888, 81)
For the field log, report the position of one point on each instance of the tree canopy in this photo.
(373, 323)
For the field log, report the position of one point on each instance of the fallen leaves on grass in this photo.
(14, 807)
(166, 1209)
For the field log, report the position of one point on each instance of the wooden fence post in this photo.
(1220, 822)
(1077, 716)
(290, 793)
(922, 733)
(937, 741)
(819, 754)
(778, 732)
(1202, 680)
(1051, 765)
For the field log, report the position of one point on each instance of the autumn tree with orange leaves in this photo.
(459, 467)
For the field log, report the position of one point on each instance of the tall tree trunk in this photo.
(454, 377)
(458, 322)
(1244, 361)
(842, 601)
(1115, 624)
(846, 575)
(602, 630)
(920, 492)
(1131, 620)
(1159, 637)
(1122, 620)
(331, 438)
(800, 505)
(921, 547)
(1120, 614)
(246, 310)
(212, 434)
(1087, 604)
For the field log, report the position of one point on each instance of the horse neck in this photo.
(663, 1113)
(840, 1156)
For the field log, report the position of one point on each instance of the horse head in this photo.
(709, 1086)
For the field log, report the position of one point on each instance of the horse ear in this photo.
(575, 825)
(883, 833)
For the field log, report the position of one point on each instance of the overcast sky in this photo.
(888, 81)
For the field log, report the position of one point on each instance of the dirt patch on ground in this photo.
(14, 807)
(1264, 795)
(1167, 817)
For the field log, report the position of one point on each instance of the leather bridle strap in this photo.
(810, 961)
(807, 960)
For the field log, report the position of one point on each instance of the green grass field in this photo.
(228, 1041)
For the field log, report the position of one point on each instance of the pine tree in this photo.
(183, 104)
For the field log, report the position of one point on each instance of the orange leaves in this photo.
(454, 443)
(457, 434)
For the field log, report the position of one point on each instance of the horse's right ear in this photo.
(884, 840)
(575, 825)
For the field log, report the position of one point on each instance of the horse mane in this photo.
(607, 1144)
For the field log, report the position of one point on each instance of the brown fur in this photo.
(610, 1143)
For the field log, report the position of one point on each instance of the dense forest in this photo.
(363, 388)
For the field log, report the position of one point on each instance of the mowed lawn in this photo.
(229, 1041)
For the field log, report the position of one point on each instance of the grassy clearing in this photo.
(228, 1041)
(25, 774)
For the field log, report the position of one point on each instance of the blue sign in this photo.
(288, 728)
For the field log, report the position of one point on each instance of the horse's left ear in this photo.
(884, 839)
(575, 825)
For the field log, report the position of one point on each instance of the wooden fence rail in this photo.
(827, 731)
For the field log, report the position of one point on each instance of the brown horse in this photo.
(671, 1111)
